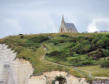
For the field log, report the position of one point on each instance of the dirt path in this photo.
(74, 68)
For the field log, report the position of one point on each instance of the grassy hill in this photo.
(81, 55)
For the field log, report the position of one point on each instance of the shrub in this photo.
(105, 53)
(95, 40)
(54, 53)
(58, 55)
(82, 47)
(21, 36)
(39, 39)
(96, 54)
(103, 42)
(80, 60)
(105, 64)
(64, 35)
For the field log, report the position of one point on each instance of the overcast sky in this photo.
(44, 16)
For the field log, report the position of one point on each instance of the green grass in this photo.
(95, 70)
(31, 48)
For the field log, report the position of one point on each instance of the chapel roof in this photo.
(70, 26)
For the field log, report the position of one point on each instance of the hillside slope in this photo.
(68, 52)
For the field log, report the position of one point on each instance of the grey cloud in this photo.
(36, 16)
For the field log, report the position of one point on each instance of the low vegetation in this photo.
(79, 50)
(48, 52)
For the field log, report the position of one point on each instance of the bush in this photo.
(96, 54)
(39, 39)
(64, 35)
(103, 42)
(96, 38)
(54, 54)
(59, 55)
(35, 42)
(80, 60)
(21, 36)
(82, 47)
(105, 64)
(105, 53)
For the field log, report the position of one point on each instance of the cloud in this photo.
(44, 16)
(37, 22)
(13, 23)
(9, 26)
(94, 25)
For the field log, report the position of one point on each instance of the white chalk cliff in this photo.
(13, 71)
(19, 71)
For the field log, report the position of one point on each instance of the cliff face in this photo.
(49, 77)
(19, 71)
(7, 57)
(23, 70)
(13, 71)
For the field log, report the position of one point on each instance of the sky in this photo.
(44, 16)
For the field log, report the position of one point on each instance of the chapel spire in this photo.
(62, 19)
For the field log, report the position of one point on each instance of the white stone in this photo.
(13, 71)
(57, 82)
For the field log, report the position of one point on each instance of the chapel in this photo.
(67, 27)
